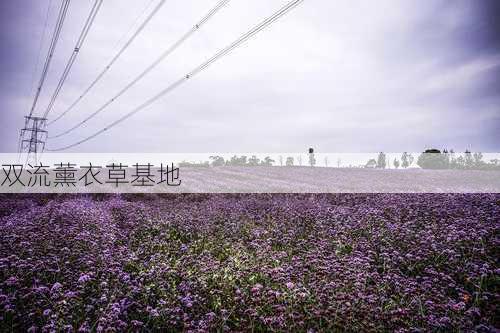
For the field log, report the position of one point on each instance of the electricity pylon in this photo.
(32, 138)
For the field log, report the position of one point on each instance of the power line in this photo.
(40, 47)
(37, 63)
(113, 60)
(132, 26)
(53, 43)
(72, 58)
(252, 32)
(166, 53)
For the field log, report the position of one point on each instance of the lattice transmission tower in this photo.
(32, 138)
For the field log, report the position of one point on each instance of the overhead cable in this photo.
(53, 43)
(113, 60)
(252, 32)
(166, 53)
(76, 50)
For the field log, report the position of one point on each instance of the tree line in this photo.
(217, 161)
(437, 159)
(429, 159)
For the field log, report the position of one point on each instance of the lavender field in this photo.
(250, 262)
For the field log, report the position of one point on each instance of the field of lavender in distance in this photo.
(272, 179)
(244, 179)
(249, 262)
(431, 172)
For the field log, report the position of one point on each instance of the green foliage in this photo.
(435, 159)
(381, 161)
(432, 159)
(237, 161)
(371, 163)
(267, 161)
(217, 161)
(312, 159)
(205, 164)
(253, 161)
(396, 163)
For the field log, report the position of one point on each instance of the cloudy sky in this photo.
(341, 76)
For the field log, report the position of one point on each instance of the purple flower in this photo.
(458, 306)
(55, 287)
(187, 301)
(152, 311)
(386, 262)
(11, 281)
(84, 328)
(256, 288)
(444, 321)
(84, 278)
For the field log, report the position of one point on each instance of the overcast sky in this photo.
(340, 76)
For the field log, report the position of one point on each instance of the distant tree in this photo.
(217, 161)
(447, 160)
(404, 160)
(312, 159)
(396, 163)
(372, 163)
(237, 161)
(267, 161)
(478, 160)
(381, 161)
(410, 159)
(194, 164)
(453, 160)
(494, 164)
(468, 159)
(289, 161)
(432, 159)
(253, 161)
